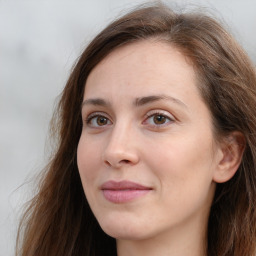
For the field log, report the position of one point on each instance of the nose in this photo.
(122, 148)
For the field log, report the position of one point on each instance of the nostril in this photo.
(107, 163)
(117, 158)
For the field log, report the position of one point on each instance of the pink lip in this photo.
(123, 191)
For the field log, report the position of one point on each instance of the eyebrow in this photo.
(137, 102)
(148, 99)
(96, 102)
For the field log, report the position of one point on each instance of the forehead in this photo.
(144, 65)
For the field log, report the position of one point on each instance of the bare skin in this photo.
(145, 122)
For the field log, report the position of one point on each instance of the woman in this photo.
(157, 145)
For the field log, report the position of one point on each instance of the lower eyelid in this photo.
(169, 120)
(88, 120)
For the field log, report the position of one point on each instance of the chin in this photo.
(125, 234)
(124, 229)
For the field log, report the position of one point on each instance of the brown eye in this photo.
(101, 120)
(95, 121)
(159, 119)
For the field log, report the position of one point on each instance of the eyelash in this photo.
(90, 117)
(150, 114)
(163, 114)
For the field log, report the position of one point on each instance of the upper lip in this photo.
(121, 185)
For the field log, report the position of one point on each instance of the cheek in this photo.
(183, 164)
(87, 160)
(185, 178)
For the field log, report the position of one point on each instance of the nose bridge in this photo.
(120, 147)
(120, 134)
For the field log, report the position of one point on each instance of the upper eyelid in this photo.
(96, 113)
(87, 118)
(148, 114)
(160, 112)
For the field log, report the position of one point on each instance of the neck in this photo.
(176, 243)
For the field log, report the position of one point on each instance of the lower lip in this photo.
(123, 196)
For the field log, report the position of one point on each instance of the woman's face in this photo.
(146, 155)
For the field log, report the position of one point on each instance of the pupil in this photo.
(101, 120)
(159, 119)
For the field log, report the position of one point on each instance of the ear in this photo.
(231, 153)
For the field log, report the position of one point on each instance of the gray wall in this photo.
(39, 41)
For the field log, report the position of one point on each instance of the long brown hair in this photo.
(59, 221)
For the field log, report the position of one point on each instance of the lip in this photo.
(123, 191)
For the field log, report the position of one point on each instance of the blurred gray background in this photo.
(39, 42)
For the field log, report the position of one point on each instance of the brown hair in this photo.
(59, 221)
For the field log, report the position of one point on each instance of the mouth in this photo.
(123, 191)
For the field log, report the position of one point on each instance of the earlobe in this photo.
(232, 149)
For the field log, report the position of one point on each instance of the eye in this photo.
(97, 120)
(158, 119)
